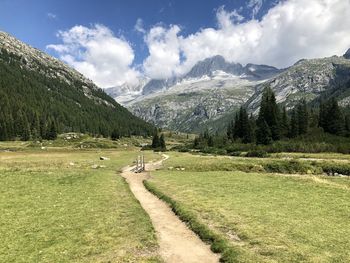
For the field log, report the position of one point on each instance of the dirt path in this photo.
(177, 243)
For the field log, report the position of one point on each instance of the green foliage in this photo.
(257, 153)
(158, 143)
(30, 101)
(331, 118)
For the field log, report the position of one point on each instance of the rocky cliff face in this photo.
(214, 89)
(307, 79)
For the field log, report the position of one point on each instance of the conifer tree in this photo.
(162, 143)
(284, 123)
(331, 118)
(115, 135)
(303, 117)
(335, 120)
(52, 132)
(155, 141)
(269, 112)
(263, 132)
(294, 130)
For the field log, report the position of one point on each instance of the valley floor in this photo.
(265, 217)
(63, 204)
(66, 205)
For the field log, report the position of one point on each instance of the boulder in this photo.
(104, 158)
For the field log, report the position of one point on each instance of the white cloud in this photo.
(255, 6)
(164, 48)
(139, 26)
(51, 16)
(98, 54)
(291, 30)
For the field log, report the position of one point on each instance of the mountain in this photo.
(209, 94)
(127, 92)
(211, 90)
(347, 54)
(39, 93)
(309, 79)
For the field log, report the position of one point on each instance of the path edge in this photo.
(217, 244)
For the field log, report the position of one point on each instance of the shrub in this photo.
(257, 153)
(332, 168)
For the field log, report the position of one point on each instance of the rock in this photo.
(43, 148)
(104, 158)
(347, 54)
(71, 164)
(170, 168)
(182, 169)
(94, 166)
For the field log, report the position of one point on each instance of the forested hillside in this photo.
(39, 99)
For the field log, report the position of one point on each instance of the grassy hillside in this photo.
(32, 99)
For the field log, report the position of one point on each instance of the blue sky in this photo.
(36, 22)
(121, 41)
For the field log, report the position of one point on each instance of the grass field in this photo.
(56, 208)
(265, 217)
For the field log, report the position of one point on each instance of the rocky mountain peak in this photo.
(347, 54)
(209, 65)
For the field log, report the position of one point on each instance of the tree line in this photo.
(274, 123)
(34, 105)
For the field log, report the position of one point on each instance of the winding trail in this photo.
(177, 243)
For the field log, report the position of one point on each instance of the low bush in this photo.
(290, 167)
(257, 153)
(335, 168)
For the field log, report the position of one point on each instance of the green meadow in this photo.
(262, 217)
(65, 205)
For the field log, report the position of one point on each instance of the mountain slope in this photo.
(38, 91)
(309, 79)
(212, 89)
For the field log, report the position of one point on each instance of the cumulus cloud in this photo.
(255, 6)
(139, 26)
(98, 54)
(289, 31)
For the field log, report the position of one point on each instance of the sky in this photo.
(120, 41)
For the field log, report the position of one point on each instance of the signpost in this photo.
(140, 164)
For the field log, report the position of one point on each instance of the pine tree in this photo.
(115, 135)
(303, 118)
(269, 112)
(335, 120)
(331, 118)
(347, 123)
(294, 129)
(210, 141)
(52, 132)
(263, 133)
(162, 143)
(236, 127)
(230, 130)
(285, 123)
(155, 141)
